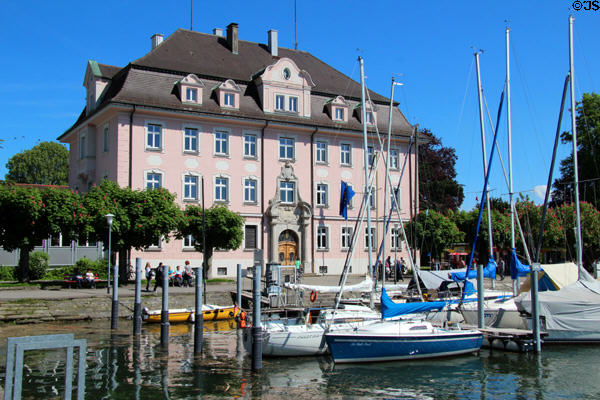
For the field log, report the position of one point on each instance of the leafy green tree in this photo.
(435, 232)
(590, 222)
(44, 164)
(224, 230)
(588, 153)
(32, 215)
(438, 188)
(141, 218)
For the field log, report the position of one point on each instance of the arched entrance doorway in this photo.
(287, 248)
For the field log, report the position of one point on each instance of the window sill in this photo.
(190, 200)
(292, 160)
(322, 250)
(154, 149)
(250, 203)
(155, 250)
(324, 163)
(221, 155)
(191, 153)
(221, 202)
(188, 249)
(346, 165)
(255, 158)
(191, 103)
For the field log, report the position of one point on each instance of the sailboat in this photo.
(572, 314)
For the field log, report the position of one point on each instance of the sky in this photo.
(427, 46)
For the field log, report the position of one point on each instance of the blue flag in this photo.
(346, 195)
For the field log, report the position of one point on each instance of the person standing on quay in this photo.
(149, 273)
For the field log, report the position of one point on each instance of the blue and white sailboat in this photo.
(401, 339)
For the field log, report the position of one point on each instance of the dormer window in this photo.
(337, 109)
(370, 118)
(228, 94)
(191, 94)
(229, 100)
(190, 89)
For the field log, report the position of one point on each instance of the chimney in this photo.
(218, 32)
(273, 42)
(232, 37)
(157, 39)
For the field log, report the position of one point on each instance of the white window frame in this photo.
(194, 94)
(218, 188)
(161, 174)
(370, 116)
(160, 135)
(321, 154)
(227, 133)
(230, 96)
(322, 190)
(286, 147)
(290, 187)
(396, 238)
(105, 139)
(346, 237)
(342, 152)
(372, 198)
(187, 243)
(370, 156)
(373, 245)
(292, 102)
(186, 184)
(322, 235)
(185, 129)
(254, 145)
(279, 102)
(156, 246)
(245, 181)
(336, 113)
(394, 158)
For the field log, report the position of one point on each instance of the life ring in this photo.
(313, 296)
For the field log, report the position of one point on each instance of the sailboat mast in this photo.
(509, 128)
(484, 152)
(366, 162)
(387, 171)
(574, 130)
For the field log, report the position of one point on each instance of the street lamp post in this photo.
(109, 219)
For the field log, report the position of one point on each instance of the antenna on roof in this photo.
(192, 15)
(295, 28)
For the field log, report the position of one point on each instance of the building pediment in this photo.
(285, 72)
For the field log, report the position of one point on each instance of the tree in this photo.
(32, 215)
(588, 152)
(590, 231)
(438, 189)
(141, 218)
(44, 164)
(224, 230)
(434, 233)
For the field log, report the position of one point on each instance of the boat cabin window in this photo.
(419, 328)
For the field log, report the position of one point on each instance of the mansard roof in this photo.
(149, 80)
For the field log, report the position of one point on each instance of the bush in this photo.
(97, 267)
(7, 274)
(38, 263)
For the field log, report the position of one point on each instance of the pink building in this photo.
(272, 131)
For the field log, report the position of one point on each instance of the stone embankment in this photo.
(91, 304)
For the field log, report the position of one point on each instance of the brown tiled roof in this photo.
(108, 71)
(149, 81)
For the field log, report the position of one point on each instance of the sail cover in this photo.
(571, 311)
(489, 271)
(517, 269)
(390, 309)
(365, 286)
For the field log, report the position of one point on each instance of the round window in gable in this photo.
(287, 74)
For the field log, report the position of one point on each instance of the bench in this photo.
(68, 281)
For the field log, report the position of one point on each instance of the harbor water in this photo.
(119, 367)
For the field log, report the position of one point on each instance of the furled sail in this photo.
(390, 309)
(365, 286)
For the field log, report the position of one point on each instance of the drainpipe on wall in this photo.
(130, 146)
(262, 192)
(312, 198)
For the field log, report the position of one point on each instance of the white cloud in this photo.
(540, 191)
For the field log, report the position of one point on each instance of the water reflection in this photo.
(122, 366)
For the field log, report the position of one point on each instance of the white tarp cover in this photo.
(364, 286)
(573, 309)
(561, 274)
(434, 279)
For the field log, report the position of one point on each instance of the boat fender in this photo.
(313, 296)
(243, 319)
